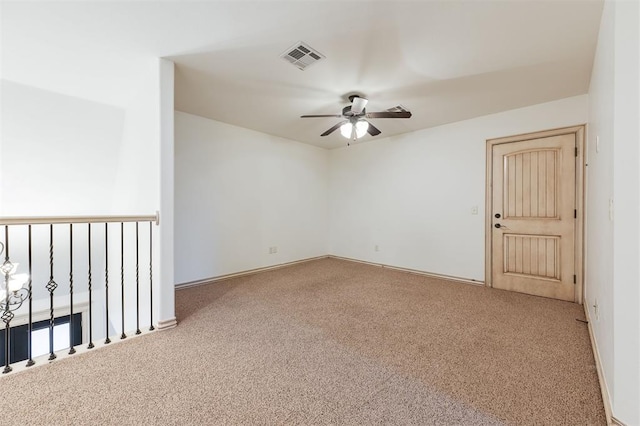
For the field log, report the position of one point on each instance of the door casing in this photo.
(579, 132)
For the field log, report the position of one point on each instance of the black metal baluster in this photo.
(7, 315)
(72, 350)
(51, 286)
(90, 345)
(122, 336)
(30, 361)
(151, 327)
(137, 284)
(106, 278)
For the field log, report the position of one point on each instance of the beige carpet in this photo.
(330, 342)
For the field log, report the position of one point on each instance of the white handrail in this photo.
(52, 220)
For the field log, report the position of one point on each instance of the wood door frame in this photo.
(579, 132)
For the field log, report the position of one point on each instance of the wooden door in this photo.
(533, 209)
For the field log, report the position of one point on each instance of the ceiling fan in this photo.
(355, 125)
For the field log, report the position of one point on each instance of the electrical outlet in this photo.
(273, 250)
(376, 248)
(474, 210)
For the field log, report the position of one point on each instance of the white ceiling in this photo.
(445, 61)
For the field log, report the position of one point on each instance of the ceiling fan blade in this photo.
(373, 130)
(321, 115)
(388, 114)
(358, 104)
(334, 128)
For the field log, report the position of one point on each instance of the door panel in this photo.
(533, 256)
(533, 195)
(530, 189)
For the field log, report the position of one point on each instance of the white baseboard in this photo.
(604, 389)
(412, 271)
(616, 422)
(243, 273)
(167, 324)
(210, 280)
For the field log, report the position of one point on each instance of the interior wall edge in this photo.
(604, 389)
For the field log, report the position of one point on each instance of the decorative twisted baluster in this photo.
(151, 327)
(7, 316)
(30, 360)
(51, 286)
(90, 345)
(137, 284)
(72, 350)
(106, 280)
(122, 336)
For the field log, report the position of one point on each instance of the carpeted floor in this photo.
(330, 342)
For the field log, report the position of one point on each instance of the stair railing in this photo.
(99, 259)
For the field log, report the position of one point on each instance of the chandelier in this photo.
(12, 291)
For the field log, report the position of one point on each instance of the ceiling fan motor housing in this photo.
(346, 111)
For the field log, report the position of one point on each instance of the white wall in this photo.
(413, 195)
(137, 175)
(239, 192)
(65, 155)
(626, 247)
(599, 179)
(59, 153)
(613, 251)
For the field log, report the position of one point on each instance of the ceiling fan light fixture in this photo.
(361, 128)
(346, 129)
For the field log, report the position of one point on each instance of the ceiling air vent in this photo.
(302, 55)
